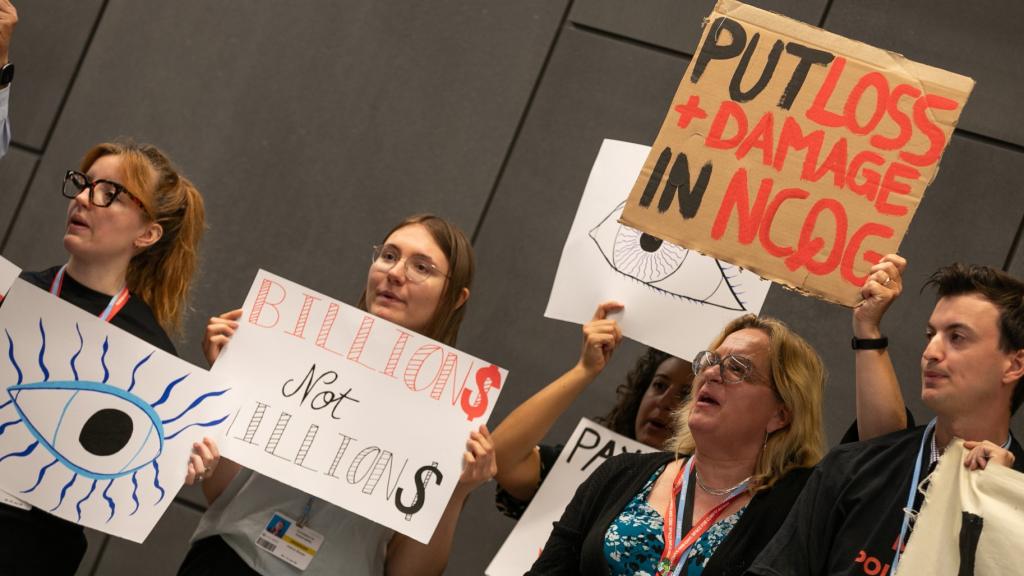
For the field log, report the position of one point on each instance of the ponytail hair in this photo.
(162, 273)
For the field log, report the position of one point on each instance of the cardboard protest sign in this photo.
(589, 446)
(352, 408)
(971, 521)
(794, 152)
(96, 426)
(676, 300)
(8, 274)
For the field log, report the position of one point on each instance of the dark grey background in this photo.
(312, 126)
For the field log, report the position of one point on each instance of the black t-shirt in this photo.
(32, 541)
(135, 318)
(848, 519)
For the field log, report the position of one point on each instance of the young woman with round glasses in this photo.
(419, 278)
(133, 226)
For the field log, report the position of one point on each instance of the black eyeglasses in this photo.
(102, 193)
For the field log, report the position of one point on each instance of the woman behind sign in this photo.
(419, 278)
(132, 233)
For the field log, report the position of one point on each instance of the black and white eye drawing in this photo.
(667, 268)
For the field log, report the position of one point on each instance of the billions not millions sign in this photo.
(352, 408)
(794, 152)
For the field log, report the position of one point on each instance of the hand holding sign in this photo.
(478, 460)
(884, 285)
(600, 338)
(219, 331)
(203, 461)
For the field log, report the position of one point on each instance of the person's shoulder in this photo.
(40, 279)
(859, 454)
(633, 463)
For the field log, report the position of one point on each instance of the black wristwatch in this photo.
(6, 74)
(869, 343)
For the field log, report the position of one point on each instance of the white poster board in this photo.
(8, 274)
(589, 446)
(352, 408)
(676, 300)
(994, 497)
(96, 425)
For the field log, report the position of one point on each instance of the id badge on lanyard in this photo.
(291, 541)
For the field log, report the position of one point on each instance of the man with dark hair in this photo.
(855, 513)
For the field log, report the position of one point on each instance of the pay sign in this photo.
(795, 153)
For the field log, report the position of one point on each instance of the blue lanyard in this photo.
(681, 506)
(912, 493)
(928, 431)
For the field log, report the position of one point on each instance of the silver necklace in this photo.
(718, 491)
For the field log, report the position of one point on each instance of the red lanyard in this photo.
(673, 551)
(117, 301)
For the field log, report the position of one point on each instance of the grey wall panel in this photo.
(965, 216)
(594, 88)
(310, 132)
(159, 555)
(15, 170)
(980, 40)
(46, 47)
(673, 24)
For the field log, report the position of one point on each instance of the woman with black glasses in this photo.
(132, 235)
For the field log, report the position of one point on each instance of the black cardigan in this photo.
(576, 545)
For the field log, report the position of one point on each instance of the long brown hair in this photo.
(444, 325)
(798, 378)
(162, 273)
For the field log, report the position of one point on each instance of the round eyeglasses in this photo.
(734, 369)
(418, 269)
(102, 193)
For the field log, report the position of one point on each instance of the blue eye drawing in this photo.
(667, 268)
(94, 430)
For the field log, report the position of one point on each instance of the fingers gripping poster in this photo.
(588, 447)
(351, 408)
(96, 426)
(794, 152)
(675, 299)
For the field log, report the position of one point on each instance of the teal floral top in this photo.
(633, 542)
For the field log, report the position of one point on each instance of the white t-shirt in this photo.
(352, 544)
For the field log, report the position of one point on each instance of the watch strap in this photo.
(869, 343)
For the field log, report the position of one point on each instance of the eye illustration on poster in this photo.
(95, 424)
(667, 268)
(675, 299)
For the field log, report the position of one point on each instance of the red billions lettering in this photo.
(427, 367)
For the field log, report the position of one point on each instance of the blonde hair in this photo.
(798, 380)
(162, 273)
(444, 325)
